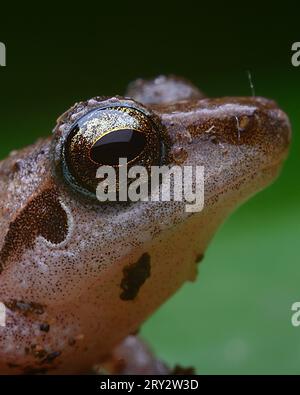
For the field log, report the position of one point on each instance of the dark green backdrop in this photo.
(236, 318)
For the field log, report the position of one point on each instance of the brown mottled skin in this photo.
(75, 257)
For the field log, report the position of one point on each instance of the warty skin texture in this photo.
(63, 256)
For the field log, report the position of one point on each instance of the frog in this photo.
(78, 277)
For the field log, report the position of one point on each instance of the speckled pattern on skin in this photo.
(75, 274)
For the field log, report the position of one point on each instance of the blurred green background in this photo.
(236, 319)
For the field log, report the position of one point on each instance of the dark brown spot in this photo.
(42, 216)
(13, 365)
(136, 332)
(134, 276)
(43, 356)
(199, 258)
(36, 350)
(179, 370)
(30, 370)
(50, 357)
(17, 166)
(214, 139)
(25, 308)
(71, 342)
(45, 327)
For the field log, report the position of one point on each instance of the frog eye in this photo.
(103, 136)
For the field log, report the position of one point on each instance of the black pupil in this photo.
(123, 143)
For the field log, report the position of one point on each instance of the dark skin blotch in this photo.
(42, 356)
(45, 327)
(25, 308)
(13, 365)
(199, 258)
(29, 370)
(50, 357)
(179, 370)
(42, 216)
(134, 276)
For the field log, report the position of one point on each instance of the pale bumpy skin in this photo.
(63, 258)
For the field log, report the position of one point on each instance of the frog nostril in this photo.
(244, 122)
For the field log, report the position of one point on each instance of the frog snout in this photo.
(261, 123)
(281, 122)
(276, 131)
